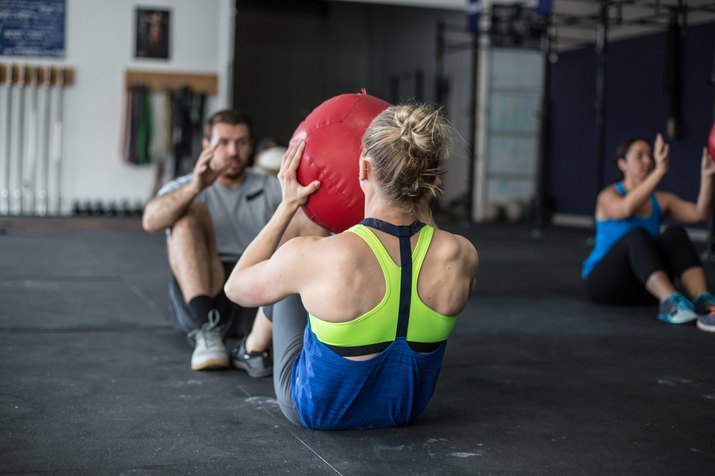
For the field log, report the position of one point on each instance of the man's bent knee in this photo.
(197, 214)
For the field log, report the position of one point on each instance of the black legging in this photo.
(620, 276)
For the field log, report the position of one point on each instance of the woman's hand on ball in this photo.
(294, 193)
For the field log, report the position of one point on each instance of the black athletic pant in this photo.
(620, 276)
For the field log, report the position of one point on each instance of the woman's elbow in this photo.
(701, 217)
(231, 291)
(705, 211)
(238, 293)
(624, 212)
(692, 215)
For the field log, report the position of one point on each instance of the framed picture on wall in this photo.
(152, 33)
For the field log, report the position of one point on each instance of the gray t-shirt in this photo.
(238, 214)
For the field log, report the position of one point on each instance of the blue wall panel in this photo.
(637, 104)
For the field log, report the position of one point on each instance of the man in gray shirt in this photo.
(210, 217)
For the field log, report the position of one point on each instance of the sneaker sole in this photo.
(210, 364)
(251, 372)
(667, 319)
(706, 328)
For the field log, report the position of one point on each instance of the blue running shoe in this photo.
(704, 304)
(676, 309)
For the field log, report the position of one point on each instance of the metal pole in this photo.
(419, 85)
(439, 66)
(473, 124)
(600, 103)
(545, 115)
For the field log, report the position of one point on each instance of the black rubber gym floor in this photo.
(95, 380)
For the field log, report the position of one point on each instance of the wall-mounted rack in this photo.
(158, 81)
(20, 73)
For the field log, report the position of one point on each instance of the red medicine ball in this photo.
(711, 142)
(333, 143)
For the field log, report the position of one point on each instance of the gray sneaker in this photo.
(209, 350)
(705, 307)
(676, 309)
(706, 323)
(257, 364)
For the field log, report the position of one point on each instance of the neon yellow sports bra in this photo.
(377, 328)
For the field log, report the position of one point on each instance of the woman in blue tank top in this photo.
(632, 261)
(381, 298)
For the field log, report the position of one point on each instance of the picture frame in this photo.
(152, 33)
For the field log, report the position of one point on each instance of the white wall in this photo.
(443, 4)
(100, 47)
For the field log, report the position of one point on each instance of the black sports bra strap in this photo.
(403, 233)
(394, 230)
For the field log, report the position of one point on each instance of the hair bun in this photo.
(407, 144)
(419, 128)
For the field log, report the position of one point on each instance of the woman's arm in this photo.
(613, 205)
(689, 212)
(263, 275)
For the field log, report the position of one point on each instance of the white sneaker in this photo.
(209, 352)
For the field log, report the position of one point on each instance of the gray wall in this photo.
(291, 56)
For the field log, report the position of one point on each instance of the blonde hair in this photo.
(407, 145)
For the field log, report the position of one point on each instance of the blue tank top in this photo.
(608, 232)
(391, 389)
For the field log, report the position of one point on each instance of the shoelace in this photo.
(211, 339)
(214, 318)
